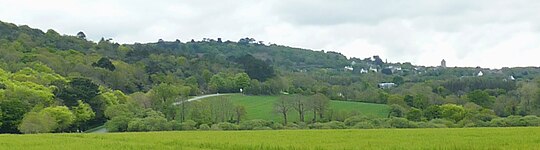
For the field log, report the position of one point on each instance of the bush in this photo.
(363, 125)
(189, 125)
(531, 120)
(447, 123)
(291, 126)
(302, 125)
(336, 125)
(277, 126)
(204, 127)
(498, 122)
(352, 121)
(328, 125)
(224, 126)
(253, 124)
(402, 123)
(430, 125)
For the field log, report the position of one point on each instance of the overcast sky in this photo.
(486, 33)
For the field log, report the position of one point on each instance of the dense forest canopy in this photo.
(60, 83)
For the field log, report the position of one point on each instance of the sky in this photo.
(485, 33)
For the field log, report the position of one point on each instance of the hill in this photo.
(51, 82)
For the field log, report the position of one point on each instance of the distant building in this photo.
(363, 71)
(349, 68)
(387, 85)
(443, 63)
(480, 74)
(373, 69)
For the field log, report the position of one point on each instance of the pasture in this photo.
(446, 138)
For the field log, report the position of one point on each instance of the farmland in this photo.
(261, 107)
(447, 138)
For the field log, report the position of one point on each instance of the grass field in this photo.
(261, 107)
(455, 138)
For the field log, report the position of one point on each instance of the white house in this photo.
(373, 69)
(480, 74)
(363, 71)
(387, 85)
(349, 68)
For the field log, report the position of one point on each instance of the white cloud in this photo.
(487, 33)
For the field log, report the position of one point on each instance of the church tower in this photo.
(443, 63)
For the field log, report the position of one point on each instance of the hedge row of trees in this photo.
(355, 122)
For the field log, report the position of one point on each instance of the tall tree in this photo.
(282, 106)
(240, 113)
(319, 104)
(299, 103)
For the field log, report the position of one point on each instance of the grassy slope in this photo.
(261, 107)
(465, 138)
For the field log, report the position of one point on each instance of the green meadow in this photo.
(445, 138)
(261, 107)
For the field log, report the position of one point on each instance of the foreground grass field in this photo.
(465, 138)
(261, 107)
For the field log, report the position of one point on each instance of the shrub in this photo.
(189, 125)
(363, 125)
(402, 123)
(224, 126)
(252, 124)
(499, 122)
(204, 127)
(336, 125)
(447, 123)
(352, 121)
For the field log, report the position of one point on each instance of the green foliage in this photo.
(83, 112)
(414, 115)
(104, 63)
(224, 126)
(61, 114)
(481, 98)
(452, 112)
(78, 89)
(13, 112)
(34, 122)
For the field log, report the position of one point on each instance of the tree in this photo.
(299, 103)
(83, 112)
(319, 104)
(452, 112)
(61, 114)
(240, 113)
(81, 35)
(398, 80)
(34, 122)
(396, 111)
(378, 61)
(242, 80)
(255, 68)
(282, 106)
(481, 98)
(104, 63)
(414, 115)
(386, 71)
(432, 112)
(13, 112)
(77, 89)
(163, 96)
